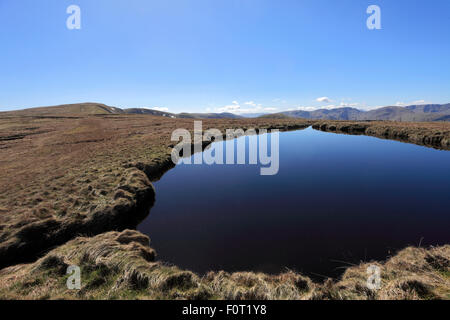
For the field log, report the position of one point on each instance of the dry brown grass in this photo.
(430, 134)
(65, 174)
(121, 265)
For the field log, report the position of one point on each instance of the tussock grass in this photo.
(121, 265)
(430, 134)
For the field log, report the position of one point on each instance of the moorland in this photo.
(77, 179)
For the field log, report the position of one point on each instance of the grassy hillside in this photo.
(77, 109)
(90, 108)
(149, 111)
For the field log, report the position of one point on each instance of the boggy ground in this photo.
(66, 173)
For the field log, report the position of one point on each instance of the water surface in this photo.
(337, 200)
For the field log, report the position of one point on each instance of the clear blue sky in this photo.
(201, 55)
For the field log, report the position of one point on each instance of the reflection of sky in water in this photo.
(336, 197)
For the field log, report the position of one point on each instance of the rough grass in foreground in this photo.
(121, 265)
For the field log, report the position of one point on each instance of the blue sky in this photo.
(224, 55)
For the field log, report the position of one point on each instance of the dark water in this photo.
(337, 199)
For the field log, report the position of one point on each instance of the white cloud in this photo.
(324, 99)
(305, 108)
(229, 108)
(253, 107)
(351, 105)
(250, 103)
(417, 102)
(329, 107)
(332, 106)
(249, 107)
(163, 109)
(373, 108)
(342, 104)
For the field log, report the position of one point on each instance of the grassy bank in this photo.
(433, 134)
(121, 265)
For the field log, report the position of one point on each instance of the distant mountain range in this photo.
(224, 115)
(419, 113)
